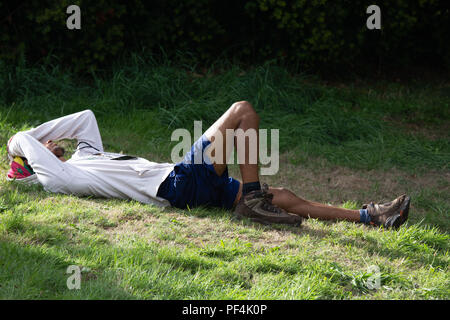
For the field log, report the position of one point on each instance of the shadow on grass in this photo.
(410, 250)
(419, 248)
(31, 272)
(39, 272)
(50, 236)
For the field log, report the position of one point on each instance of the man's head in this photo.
(58, 151)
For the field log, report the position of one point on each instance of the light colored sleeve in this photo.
(81, 126)
(51, 172)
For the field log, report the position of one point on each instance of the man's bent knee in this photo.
(245, 109)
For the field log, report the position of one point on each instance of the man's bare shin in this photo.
(288, 201)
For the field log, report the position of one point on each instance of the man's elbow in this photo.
(13, 145)
(88, 113)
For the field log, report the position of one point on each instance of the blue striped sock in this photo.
(364, 216)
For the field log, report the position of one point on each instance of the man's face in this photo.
(53, 147)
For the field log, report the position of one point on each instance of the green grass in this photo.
(341, 144)
(365, 126)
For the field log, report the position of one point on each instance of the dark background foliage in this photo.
(319, 34)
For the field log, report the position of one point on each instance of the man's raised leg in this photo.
(278, 203)
(242, 120)
(240, 115)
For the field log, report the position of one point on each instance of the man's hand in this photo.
(55, 149)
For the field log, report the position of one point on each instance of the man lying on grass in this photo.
(190, 183)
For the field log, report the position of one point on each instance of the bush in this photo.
(312, 33)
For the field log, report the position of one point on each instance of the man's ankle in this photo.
(250, 186)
